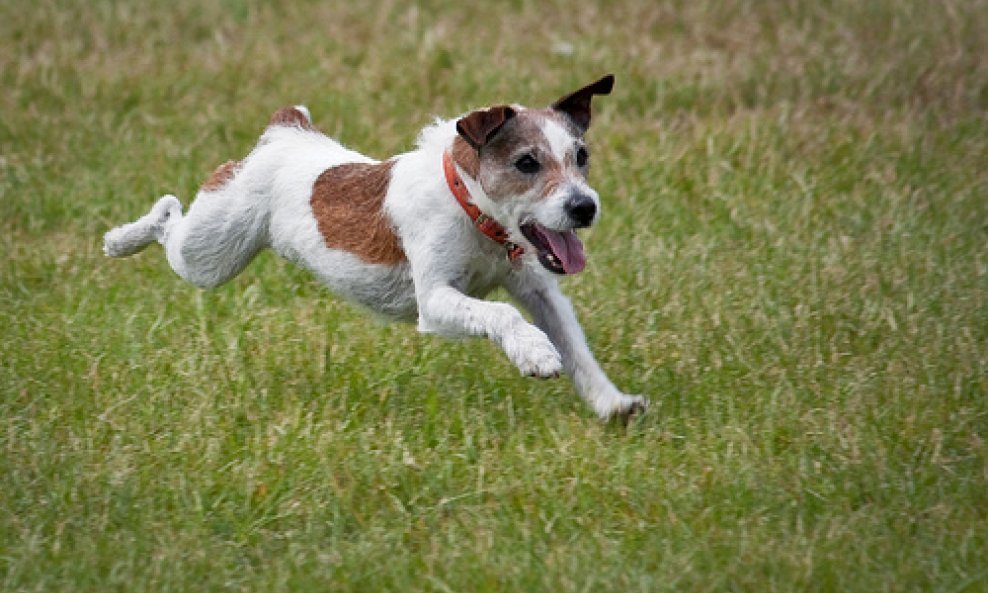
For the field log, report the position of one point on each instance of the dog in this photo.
(492, 198)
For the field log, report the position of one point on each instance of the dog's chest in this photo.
(481, 276)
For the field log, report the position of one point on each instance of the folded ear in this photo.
(577, 104)
(479, 127)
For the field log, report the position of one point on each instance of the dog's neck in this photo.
(483, 223)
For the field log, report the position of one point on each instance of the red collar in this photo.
(485, 224)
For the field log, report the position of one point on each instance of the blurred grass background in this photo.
(791, 265)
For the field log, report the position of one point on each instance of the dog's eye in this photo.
(582, 156)
(527, 164)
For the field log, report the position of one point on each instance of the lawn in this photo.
(792, 264)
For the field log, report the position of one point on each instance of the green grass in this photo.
(792, 264)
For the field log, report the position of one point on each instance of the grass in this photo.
(792, 264)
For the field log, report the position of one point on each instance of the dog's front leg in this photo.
(554, 314)
(445, 310)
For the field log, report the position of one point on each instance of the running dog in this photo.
(488, 199)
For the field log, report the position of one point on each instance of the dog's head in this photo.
(532, 166)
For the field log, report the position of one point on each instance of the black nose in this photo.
(581, 208)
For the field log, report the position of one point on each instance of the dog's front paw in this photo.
(619, 405)
(533, 353)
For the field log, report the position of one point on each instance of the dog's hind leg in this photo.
(216, 239)
(222, 231)
(227, 223)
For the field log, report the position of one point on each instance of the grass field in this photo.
(792, 264)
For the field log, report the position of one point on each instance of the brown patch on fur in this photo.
(465, 156)
(347, 202)
(290, 116)
(523, 133)
(221, 176)
(554, 177)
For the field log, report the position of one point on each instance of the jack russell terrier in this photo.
(489, 199)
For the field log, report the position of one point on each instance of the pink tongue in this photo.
(567, 248)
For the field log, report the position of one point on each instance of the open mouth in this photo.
(560, 252)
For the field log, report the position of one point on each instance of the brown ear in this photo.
(479, 127)
(577, 104)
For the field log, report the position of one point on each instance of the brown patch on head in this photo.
(221, 176)
(466, 157)
(525, 135)
(290, 116)
(347, 202)
(554, 177)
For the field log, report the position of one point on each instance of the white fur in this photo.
(450, 267)
(560, 141)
